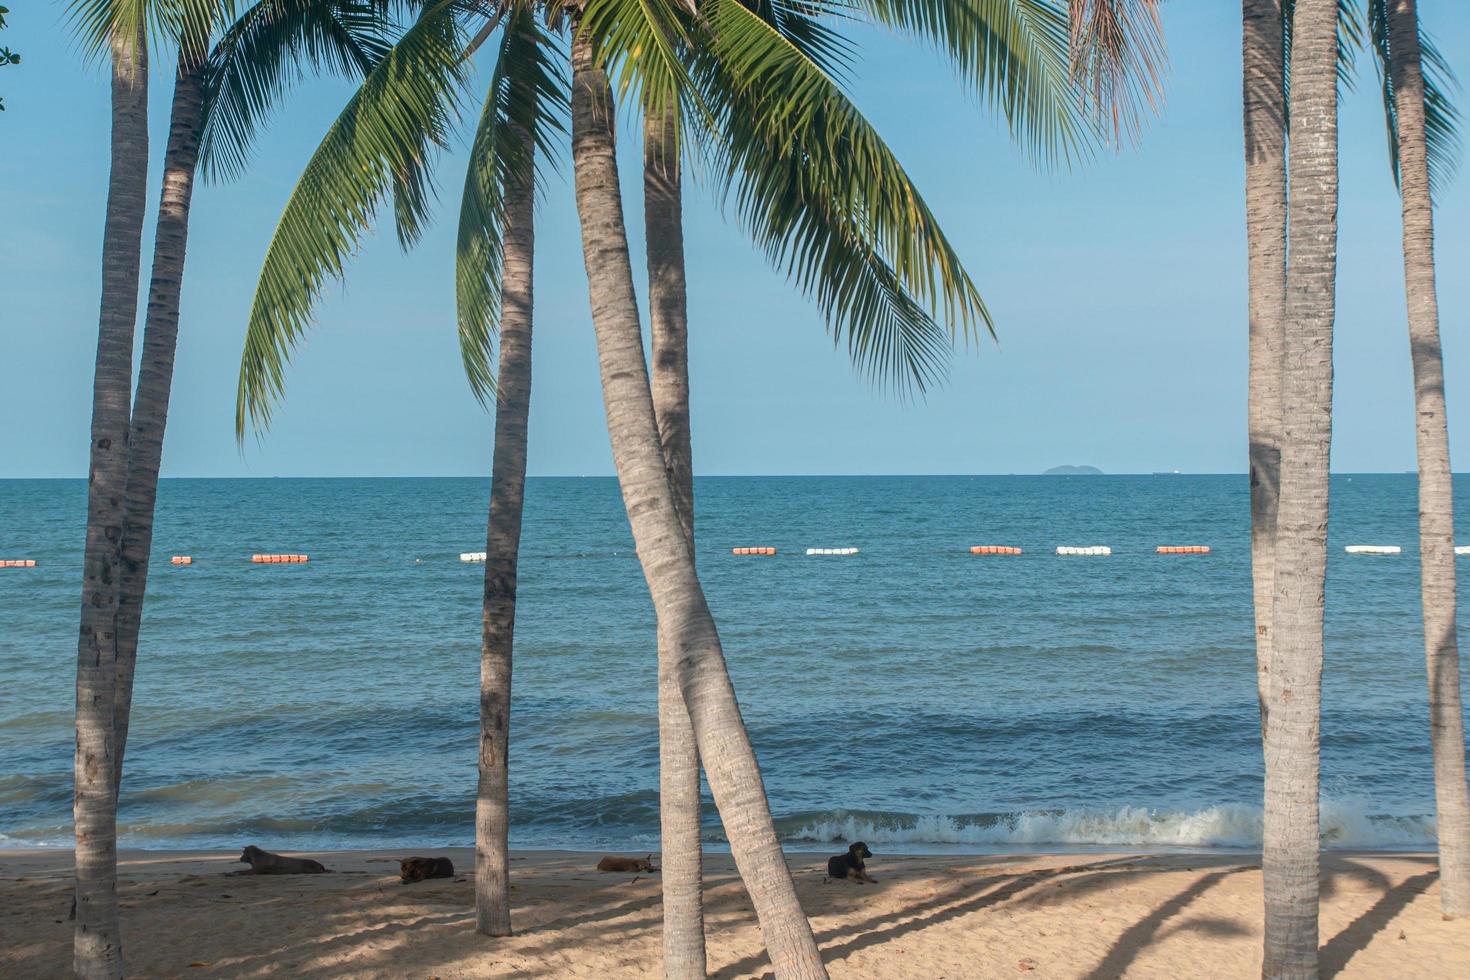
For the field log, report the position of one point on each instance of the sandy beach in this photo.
(948, 916)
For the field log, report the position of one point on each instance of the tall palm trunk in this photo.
(502, 555)
(678, 757)
(1294, 687)
(155, 381)
(97, 945)
(1436, 502)
(1264, 99)
(658, 532)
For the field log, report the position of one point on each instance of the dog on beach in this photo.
(266, 863)
(850, 866)
(421, 869)
(627, 864)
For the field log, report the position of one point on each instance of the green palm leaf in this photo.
(381, 143)
(825, 198)
(527, 95)
(261, 56)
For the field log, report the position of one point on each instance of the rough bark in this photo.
(502, 556)
(1436, 500)
(97, 944)
(683, 941)
(1294, 687)
(658, 532)
(1264, 99)
(155, 382)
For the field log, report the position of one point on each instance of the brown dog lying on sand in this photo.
(850, 866)
(626, 864)
(421, 869)
(266, 863)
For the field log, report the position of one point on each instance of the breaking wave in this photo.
(1346, 824)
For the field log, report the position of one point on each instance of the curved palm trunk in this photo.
(155, 381)
(1294, 687)
(502, 555)
(1436, 502)
(678, 757)
(1264, 99)
(97, 945)
(658, 532)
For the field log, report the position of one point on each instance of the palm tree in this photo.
(97, 945)
(117, 574)
(1421, 130)
(1264, 98)
(1116, 58)
(1293, 689)
(500, 194)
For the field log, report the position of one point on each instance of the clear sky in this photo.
(1119, 290)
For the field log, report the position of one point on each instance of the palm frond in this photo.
(384, 135)
(1441, 115)
(638, 43)
(1016, 55)
(826, 200)
(170, 22)
(527, 97)
(1119, 60)
(266, 52)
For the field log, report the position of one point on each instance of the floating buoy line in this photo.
(1097, 550)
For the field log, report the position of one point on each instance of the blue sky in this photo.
(1119, 291)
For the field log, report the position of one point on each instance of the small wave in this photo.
(1346, 824)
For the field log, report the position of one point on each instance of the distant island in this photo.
(1073, 471)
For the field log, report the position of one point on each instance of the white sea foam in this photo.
(1346, 824)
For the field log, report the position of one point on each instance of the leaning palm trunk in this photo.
(97, 944)
(1264, 99)
(658, 532)
(678, 757)
(502, 551)
(155, 381)
(1294, 686)
(1436, 503)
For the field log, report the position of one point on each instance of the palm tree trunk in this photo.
(1264, 99)
(1436, 502)
(155, 381)
(658, 532)
(678, 757)
(1294, 688)
(502, 555)
(97, 944)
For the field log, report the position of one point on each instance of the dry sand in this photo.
(928, 917)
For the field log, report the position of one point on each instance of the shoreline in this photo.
(947, 915)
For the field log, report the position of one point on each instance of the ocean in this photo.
(912, 695)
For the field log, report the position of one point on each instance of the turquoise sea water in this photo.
(913, 694)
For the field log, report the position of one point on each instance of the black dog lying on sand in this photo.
(266, 863)
(850, 865)
(421, 869)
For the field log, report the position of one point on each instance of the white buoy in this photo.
(1374, 549)
(472, 556)
(1463, 549)
(831, 551)
(1097, 549)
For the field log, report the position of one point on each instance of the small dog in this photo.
(266, 863)
(850, 866)
(627, 864)
(421, 869)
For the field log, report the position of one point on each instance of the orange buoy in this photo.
(278, 559)
(182, 560)
(994, 549)
(1188, 549)
(752, 551)
(18, 563)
